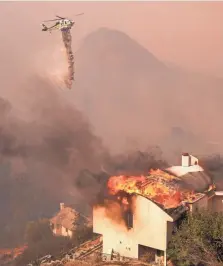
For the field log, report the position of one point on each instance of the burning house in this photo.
(141, 212)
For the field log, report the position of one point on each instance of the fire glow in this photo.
(159, 186)
(15, 252)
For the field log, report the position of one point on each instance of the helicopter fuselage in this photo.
(62, 24)
(65, 24)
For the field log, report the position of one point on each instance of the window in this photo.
(159, 253)
(66, 230)
(58, 226)
(129, 219)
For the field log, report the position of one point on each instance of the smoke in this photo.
(133, 163)
(48, 154)
(67, 40)
(117, 208)
(41, 157)
(213, 166)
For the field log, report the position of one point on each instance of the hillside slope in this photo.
(134, 99)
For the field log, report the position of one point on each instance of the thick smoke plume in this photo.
(49, 156)
(40, 157)
(133, 163)
(213, 165)
(67, 40)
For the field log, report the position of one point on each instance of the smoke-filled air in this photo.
(148, 87)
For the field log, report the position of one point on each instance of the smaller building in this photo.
(217, 202)
(65, 222)
(196, 179)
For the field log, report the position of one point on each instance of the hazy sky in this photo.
(188, 34)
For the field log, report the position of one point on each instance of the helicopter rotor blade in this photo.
(60, 17)
(51, 20)
(80, 14)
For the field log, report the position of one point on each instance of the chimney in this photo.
(62, 206)
(185, 160)
(193, 160)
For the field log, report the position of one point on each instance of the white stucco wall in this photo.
(149, 229)
(200, 204)
(62, 231)
(151, 224)
(66, 232)
(217, 202)
(214, 203)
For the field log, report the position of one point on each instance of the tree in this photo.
(42, 242)
(198, 240)
(82, 233)
(38, 231)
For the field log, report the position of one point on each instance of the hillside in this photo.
(134, 100)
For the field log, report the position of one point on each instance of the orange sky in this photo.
(188, 34)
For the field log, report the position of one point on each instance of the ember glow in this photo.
(15, 252)
(159, 186)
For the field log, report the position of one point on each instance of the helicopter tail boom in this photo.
(44, 27)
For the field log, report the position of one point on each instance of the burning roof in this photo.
(161, 187)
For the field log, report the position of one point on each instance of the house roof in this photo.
(163, 188)
(182, 170)
(174, 212)
(181, 189)
(68, 218)
(193, 177)
(219, 193)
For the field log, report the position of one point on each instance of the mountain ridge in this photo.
(130, 94)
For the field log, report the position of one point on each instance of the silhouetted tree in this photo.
(38, 231)
(199, 240)
(42, 242)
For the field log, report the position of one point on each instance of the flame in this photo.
(124, 183)
(125, 201)
(15, 252)
(211, 187)
(158, 186)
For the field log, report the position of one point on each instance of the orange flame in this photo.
(15, 252)
(158, 186)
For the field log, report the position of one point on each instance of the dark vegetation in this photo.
(20, 202)
(198, 241)
(42, 242)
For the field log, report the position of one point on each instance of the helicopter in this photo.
(62, 24)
